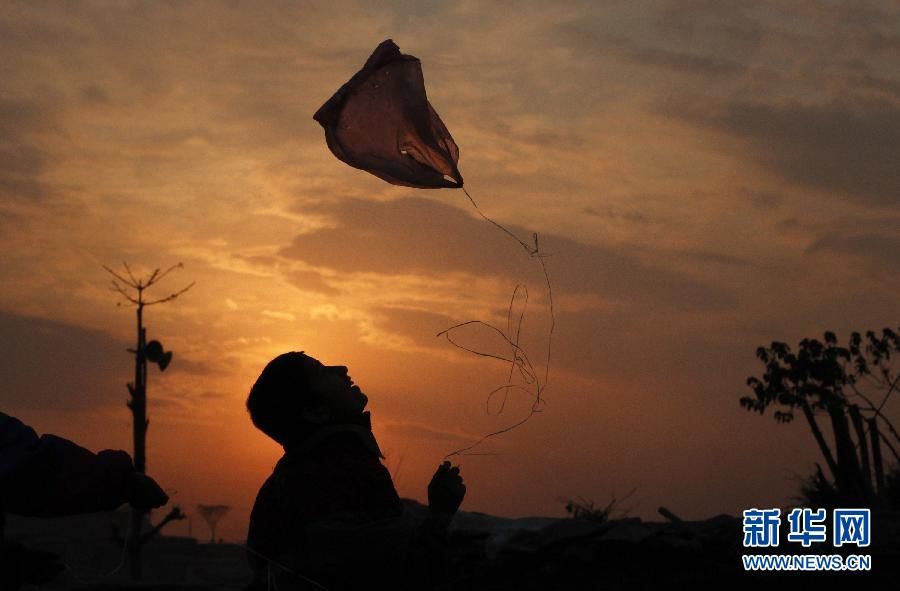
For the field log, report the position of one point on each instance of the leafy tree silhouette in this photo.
(841, 382)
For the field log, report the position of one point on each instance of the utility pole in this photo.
(132, 289)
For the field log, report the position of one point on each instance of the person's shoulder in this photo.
(271, 485)
(286, 482)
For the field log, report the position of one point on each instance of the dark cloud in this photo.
(880, 251)
(609, 213)
(261, 260)
(23, 188)
(185, 365)
(705, 256)
(788, 224)
(718, 25)
(883, 88)
(765, 199)
(417, 432)
(168, 404)
(21, 34)
(307, 280)
(687, 63)
(211, 395)
(648, 347)
(421, 326)
(311, 281)
(47, 364)
(882, 43)
(546, 137)
(702, 61)
(94, 94)
(22, 159)
(429, 237)
(840, 148)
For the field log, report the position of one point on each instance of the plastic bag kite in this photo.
(381, 121)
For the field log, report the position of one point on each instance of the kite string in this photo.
(89, 580)
(527, 248)
(519, 359)
(271, 583)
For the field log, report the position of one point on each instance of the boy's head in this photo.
(295, 393)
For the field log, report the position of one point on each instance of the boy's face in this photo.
(341, 397)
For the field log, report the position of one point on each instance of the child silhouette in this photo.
(329, 514)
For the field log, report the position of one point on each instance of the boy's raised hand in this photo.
(446, 490)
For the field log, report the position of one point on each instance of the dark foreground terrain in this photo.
(491, 553)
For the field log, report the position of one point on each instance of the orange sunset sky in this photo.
(708, 176)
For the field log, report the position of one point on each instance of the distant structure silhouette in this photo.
(329, 515)
(212, 514)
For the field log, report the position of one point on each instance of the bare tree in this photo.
(133, 290)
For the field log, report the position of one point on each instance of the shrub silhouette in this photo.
(823, 377)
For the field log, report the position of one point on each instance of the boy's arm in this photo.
(428, 552)
(445, 494)
(50, 476)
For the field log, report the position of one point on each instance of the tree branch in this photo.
(890, 447)
(119, 277)
(118, 289)
(878, 412)
(167, 271)
(130, 274)
(863, 446)
(820, 439)
(892, 386)
(170, 297)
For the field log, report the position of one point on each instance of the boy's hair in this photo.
(279, 395)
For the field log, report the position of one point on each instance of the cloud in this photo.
(311, 281)
(417, 431)
(278, 315)
(631, 216)
(683, 62)
(876, 250)
(22, 159)
(849, 149)
(47, 364)
(94, 94)
(692, 358)
(724, 25)
(421, 236)
(695, 41)
(705, 256)
(420, 326)
(764, 199)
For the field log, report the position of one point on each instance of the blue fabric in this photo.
(50, 476)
